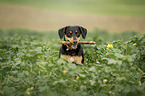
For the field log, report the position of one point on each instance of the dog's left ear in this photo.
(83, 31)
(61, 32)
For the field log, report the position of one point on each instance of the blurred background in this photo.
(50, 15)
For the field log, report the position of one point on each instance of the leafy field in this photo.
(111, 7)
(29, 65)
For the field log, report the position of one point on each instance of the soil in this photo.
(45, 20)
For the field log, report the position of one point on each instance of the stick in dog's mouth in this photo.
(74, 46)
(80, 42)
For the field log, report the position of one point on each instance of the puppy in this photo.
(72, 51)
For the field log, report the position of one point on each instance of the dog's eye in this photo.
(69, 34)
(78, 34)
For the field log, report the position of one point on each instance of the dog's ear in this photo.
(83, 31)
(61, 32)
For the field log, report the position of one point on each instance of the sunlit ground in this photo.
(50, 15)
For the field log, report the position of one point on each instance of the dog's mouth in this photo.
(74, 46)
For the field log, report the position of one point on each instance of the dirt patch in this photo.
(42, 20)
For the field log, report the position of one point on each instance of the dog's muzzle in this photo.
(75, 41)
(74, 46)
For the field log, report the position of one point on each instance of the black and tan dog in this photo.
(73, 51)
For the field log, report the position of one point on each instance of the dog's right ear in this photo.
(61, 32)
(83, 31)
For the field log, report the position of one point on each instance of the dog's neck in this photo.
(71, 52)
(70, 47)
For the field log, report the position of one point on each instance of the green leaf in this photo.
(120, 78)
(43, 89)
(112, 61)
(83, 75)
(9, 90)
(127, 89)
(92, 69)
(38, 49)
(61, 61)
(92, 82)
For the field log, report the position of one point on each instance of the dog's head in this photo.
(72, 33)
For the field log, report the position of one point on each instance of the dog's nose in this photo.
(75, 41)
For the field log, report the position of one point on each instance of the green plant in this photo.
(30, 67)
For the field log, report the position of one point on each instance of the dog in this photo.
(72, 51)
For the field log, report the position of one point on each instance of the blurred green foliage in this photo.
(29, 65)
(111, 7)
